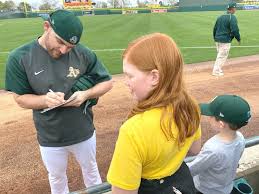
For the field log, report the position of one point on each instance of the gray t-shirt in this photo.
(214, 168)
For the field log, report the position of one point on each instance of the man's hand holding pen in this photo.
(54, 98)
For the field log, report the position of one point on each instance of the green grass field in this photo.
(189, 29)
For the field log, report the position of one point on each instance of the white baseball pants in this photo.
(55, 160)
(222, 55)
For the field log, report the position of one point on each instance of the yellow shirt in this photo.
(142, 151)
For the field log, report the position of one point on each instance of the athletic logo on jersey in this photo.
(73, 72)
(37, 73)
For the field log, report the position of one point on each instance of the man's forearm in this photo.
(99, 89)
(30, 101)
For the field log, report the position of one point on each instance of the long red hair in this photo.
(159, 51)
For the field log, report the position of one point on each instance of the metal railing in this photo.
(106, 187)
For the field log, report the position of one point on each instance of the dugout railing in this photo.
(106, 187)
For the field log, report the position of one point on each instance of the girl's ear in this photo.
(154, 77)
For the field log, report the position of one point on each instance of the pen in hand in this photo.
(57, 96)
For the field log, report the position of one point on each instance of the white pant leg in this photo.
(55, 161)
(222, 55)
(85, 153)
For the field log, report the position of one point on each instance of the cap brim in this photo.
(205, 109)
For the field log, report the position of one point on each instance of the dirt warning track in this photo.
(21, 168)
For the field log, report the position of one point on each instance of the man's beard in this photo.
(54, 53)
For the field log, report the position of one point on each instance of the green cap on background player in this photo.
(229, 108)
(231, 5)
(66, 25)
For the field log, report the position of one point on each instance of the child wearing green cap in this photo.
(214, 168)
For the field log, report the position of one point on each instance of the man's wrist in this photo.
(87, 94)
(44, 101)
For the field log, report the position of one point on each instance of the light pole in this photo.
(25, 7)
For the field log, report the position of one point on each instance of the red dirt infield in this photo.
(21, 167)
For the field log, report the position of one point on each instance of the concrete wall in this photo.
(249, 167)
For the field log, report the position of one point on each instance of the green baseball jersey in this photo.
(226, 28)
(31, 70)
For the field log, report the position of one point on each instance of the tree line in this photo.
(10, 5)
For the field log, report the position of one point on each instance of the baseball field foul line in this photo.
(184, 47)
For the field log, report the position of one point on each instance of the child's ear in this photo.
(222, 124)
(46, 26)
(154, 77)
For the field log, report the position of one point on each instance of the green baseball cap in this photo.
(66, 25)
(229, 108)
(231, 5)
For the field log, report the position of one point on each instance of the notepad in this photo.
(51, 108)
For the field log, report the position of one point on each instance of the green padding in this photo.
(199, 3)
(102, 12)
(203, 8)
(115, 12)
(144, 11)
(10, 15)
(173, 10)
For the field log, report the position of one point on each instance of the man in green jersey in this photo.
(42, 74)
(224, 31)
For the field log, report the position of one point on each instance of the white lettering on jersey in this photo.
(73, 72)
